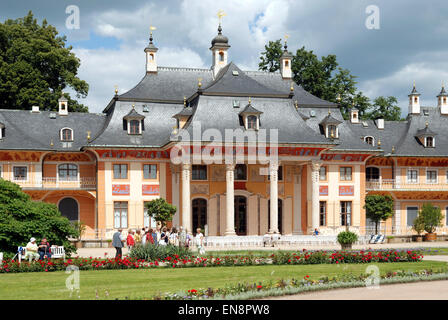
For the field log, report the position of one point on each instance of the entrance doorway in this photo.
(240, 215)
(69, 209)
(199, 214)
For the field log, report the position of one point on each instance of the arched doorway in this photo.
(199, 214)
(280, 215)
(69, 208)
(240, 215)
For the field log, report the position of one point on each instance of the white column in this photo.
(175, 193)
(230, 198)
(397, 218)
(315, 166)
(273, 173)
(186, 207)
(297, 218)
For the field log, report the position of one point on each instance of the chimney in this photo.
(442, 102)
(35, 109)
(354, 116)
(151, 55)
(63, 106)
(414, 101)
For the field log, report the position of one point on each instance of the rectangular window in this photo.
(20, 173)
(412, 176)
(346, 173)
(431, 176)
(322, 213)
(148, 222)
(240, 172)
(346, 213)
(120, 214)
(150, 171)
(120, 171)
(323, 173)
(199, 172)
(411, 214)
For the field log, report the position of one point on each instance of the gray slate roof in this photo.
(25, 130)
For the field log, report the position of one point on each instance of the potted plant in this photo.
(346, 239)
(432, 218)
(419, 227)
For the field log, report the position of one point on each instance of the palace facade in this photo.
(316, 171)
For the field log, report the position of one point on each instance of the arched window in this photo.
(151, 56)
(69, 208)
(68, 172)
(66, 134)
(134, 127)
(252, 122)
(369, 140)
(221, 56)
(372, 174)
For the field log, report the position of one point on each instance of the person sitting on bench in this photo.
(44, 249)
(31, 250)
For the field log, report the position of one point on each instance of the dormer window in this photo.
(332, 131)
(427, 137)
(2, 131)
(133, 122)
(369, 140)
(429, 142)
(66, 134)
(250, 117)
(330, 126)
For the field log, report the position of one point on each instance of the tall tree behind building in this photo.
(325, 79)
(36, 66)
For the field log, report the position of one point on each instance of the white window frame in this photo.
(246, 122)
(407, 176)
(27, 172)
(1, 131)
(373, 140)
(328, 131)
(433, 142)
(407, 207)
(437, 176)
(62, 136)
(139, 127)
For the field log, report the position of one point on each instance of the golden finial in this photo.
(338, 98)
(296, 104)
(51, 142)
(116, 89)
(133, 106)
(393, 149)
(221, 14)
(88, 135)
(292, 87)
(379, 143)
(185, 101)
(426, 124)
(329, 111)
(414, 84)
(199, 83)
(286, 37)
(250, 100)
(151, 28)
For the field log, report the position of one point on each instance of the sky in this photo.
(408, 42)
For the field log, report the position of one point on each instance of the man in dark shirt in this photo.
(44, 249)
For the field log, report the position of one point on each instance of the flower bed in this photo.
(176, 261)
(293, 286)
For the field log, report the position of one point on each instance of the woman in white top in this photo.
(198, 239)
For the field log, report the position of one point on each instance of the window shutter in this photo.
(143, 125)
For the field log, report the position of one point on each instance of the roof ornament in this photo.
(338, 98)
(426, 124)
(379, 143)
(329, 111)
(286, 40)
(185, 101)
(88, 135)
(393, 149)
(199, 83)
(151, 28)
(133, 106)
(250, 101)
(292, 87)
(51, 143)
(116, 90)
(296, 104)
(220, 14)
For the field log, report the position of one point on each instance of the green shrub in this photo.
(347, 237)
(150, 252)
(21, 218)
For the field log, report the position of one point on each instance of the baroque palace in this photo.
(101, 168)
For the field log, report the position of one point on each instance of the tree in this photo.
(160, 210)
(385, 108)
(379, 208)
(270, 59)
(36, 66)
(431, 216)
(21, 219)
(325, 79)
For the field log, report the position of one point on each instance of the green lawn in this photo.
(145, 283)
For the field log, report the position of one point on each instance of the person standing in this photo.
(138, 237)
(117, 243)
(31, 250)
(130, 241)
(44, 249)
(173, 239)
(199, 238)
(144, 233)
(154, 237)
(182, 237)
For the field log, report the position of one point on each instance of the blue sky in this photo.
(411, 44)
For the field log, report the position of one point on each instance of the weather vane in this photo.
(286, 37)
(152, 28)
(221, 14)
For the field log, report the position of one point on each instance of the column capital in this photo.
(315, 165)
(273, 165)
(186, 166)
(230, 167)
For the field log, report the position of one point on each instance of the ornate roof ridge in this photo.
(184, 69)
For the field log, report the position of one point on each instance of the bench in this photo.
(376, 238)
(57, 252)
